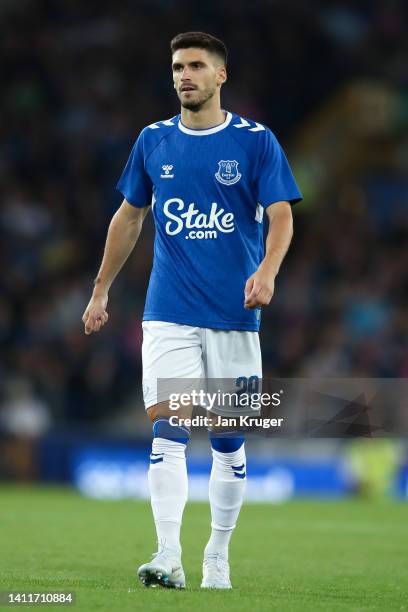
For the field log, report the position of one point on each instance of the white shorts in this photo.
(174, 351)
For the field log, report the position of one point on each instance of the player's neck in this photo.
(204, 119)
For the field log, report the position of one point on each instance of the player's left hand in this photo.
(259, 288)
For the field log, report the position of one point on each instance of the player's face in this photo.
(197, 75)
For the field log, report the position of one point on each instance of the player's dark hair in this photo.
(201, 40)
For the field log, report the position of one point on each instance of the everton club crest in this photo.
(228, 172)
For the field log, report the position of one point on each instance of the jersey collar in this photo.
(213, 130)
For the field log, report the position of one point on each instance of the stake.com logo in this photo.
(201, 225)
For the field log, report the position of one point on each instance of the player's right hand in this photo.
(95, 315)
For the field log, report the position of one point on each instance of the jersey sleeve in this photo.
(275, 180)
(135, 183)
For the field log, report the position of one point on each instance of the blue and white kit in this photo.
(208, 190)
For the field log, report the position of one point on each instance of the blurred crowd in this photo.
(80, 81)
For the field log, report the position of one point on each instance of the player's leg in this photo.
(226, 494)
(228, 355)
(168, 487)
(169, 352)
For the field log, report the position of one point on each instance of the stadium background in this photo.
(79, 82)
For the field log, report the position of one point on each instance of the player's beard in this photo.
(196, 105)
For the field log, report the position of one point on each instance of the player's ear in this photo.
(222, 75)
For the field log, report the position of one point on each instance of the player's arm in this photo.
(123, 232)
(260, 286)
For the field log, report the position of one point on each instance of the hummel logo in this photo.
(167, 169)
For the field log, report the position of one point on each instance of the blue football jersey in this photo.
(208, 189)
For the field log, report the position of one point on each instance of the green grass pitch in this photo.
(298, 556)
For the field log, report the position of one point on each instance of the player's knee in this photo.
(157, 411)
(163, 410)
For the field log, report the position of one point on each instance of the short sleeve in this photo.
(135, 184)
(275, 180)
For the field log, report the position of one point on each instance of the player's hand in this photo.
(259, 288)
(95, 315)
